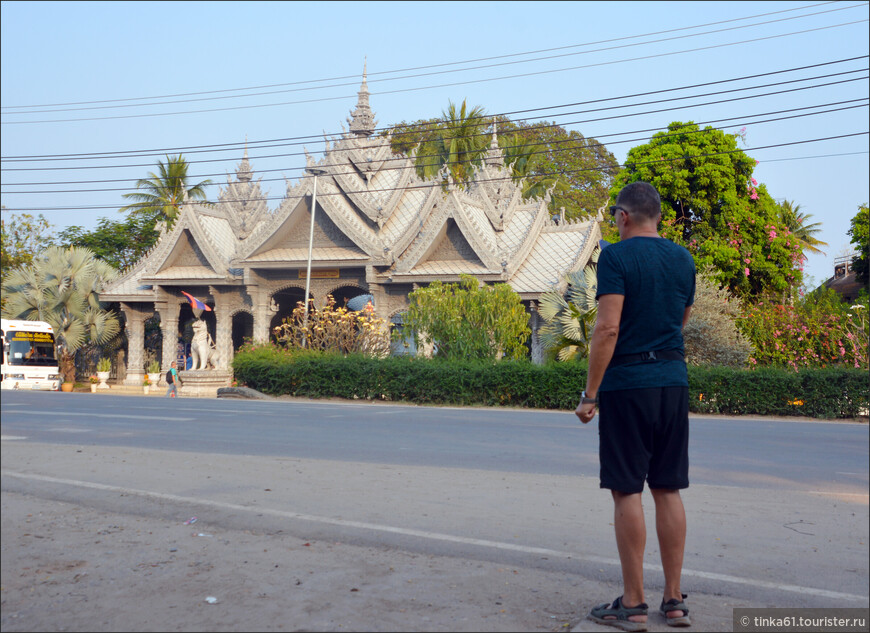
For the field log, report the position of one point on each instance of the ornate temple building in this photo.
(379, 230)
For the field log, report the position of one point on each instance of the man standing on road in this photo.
(637, 375)
(173, 380)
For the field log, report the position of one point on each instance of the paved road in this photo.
(823, 456)
(778, 510)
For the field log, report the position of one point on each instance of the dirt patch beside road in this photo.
(68, 567)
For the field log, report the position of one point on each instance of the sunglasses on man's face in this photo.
(616, 208)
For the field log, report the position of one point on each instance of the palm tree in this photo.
(570, 317)
(523, 157)
(458, 144)
(62, 287)
(797, 222)
(160, 196)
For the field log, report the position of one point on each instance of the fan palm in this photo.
(570, 317)
(62, 287)
(797, 222)
(161, 195)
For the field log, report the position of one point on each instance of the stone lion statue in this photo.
(202, 347)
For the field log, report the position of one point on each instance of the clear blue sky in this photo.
(62, 53)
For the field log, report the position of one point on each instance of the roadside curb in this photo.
(245, 393)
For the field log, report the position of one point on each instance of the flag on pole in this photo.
(196, 303)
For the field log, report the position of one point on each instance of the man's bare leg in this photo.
(628, 522)
(671, 530)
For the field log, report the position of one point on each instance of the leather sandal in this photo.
(617, 615)
(676, 605)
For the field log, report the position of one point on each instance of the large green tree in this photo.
(580, 170)
(120, 244)
(22, 236)
(62, 286)
(160, 195)
(713, 206)
(468, 320)
(860, 234)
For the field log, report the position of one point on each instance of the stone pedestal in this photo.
(203, 383)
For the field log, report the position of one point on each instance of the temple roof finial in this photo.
(362, 119)
(243, 172)
(494, 155)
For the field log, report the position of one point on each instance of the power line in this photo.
(535, 52)
(823, 85)
(430, 87)
(432, 184)
(419, 126)
(404, 159)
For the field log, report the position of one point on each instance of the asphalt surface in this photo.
(778, 510)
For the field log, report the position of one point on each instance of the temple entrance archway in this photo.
(242, 329)
(286, 301)
(343, 294)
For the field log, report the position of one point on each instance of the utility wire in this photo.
(17, 169)
(419, 126)
(432, 184)
(547, 150)
(440, 72)
(385, 72)
(430, 87)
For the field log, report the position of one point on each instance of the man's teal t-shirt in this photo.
(657, 279)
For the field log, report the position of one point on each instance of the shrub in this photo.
(711, 335)
(469, 320)
(332, 329)
(823, 393)
(818, 330)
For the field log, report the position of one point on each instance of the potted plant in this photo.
(146, 384)
(104, 369)
(94, 380)
(153, 370)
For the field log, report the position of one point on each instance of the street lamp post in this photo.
(314, 171)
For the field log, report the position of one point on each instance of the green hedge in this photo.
(824, 393)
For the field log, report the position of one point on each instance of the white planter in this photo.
(146, 389)
(154, 378)
(103, 376)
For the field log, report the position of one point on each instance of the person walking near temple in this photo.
(173, 380)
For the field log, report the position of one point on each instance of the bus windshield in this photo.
(30, 348)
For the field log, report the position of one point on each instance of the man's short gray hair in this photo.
(641, 198)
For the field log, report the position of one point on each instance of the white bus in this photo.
(29, 360)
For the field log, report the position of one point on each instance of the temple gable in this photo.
(290, 240)
(451, 245)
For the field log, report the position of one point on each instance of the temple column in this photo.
(259, 306)
(223, 333)
(379, 300)
(169, 327)
(135, 317)
(262, 318)
(535, 326)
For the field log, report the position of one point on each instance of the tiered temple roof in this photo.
(373, 211)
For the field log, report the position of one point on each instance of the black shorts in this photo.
(644, 436)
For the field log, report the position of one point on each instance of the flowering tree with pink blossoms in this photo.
(712, 204)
